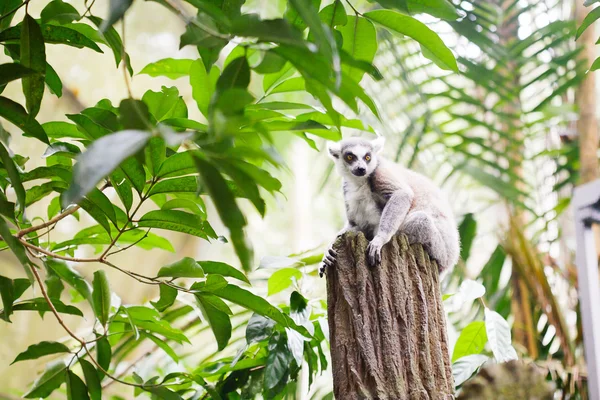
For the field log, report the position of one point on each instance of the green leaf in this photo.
(595, 65)
(177, 164)
(359, 42)
(39, 304)
(33, 56)
(16, 114)
(259, 328)
(250, 301)
(114, 41)
(116, 11)
(70, 276)
(54, 34)
(467, 231)
(59, 11)
(334, 14)
(215, 267)
(186, 184)
(278, 361)
(7, 7)
(438, 8)
(168, 295)
(498, 333)
(282, 279)
(185, 268)
(587, 21)
(101, 296)
(53, 81)
(202, 86)
(491, 271)
(12, 71)
(273, 30)
(100, 159)
(170, 68)
(103, 355)
(186, 204)
(7, 292)
(156, 154)
(410, 27)
(163, 345)
(41, 349)
(472, 340)
(91, 379)
(165, 104)
(50, 380)
(16, 247)
(15, 177)
(178, 221)
(76, 389)
(134, 114)
(466, 366)
(218, 320)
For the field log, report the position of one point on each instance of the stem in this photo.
(124, 59)
(54, 220)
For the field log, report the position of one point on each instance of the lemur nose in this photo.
(360, 171)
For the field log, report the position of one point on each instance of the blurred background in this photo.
(501, 139)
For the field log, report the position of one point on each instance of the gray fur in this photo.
(383, 198)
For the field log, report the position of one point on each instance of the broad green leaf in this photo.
(15, 177)
(101, 296)
(360, 42)
(76, 389)
(16, 114)
(16, 247)
(168, 295)
(169, 67)
(123, 188)
(214, 300)
(165, 104)
(498, 333)
(53, 34)
(53, 81)
(100, 159)
(177, 164)
(273, 30)
(12, 71)
(39, 304)
(91, 379)
(103, 355)
(278, 361)
(438, 8)
(282, 279)
(491, 271)
(202, 87)
(33, 56)
(155, 154)
(50, 380)
(185, 268)
(6, 7)
(215, 267)
(186, 204)
(472, 340)
(236, 74)
(212, 283)
(163, 345)
(71, 276)
(410, 27)
(59, 11)
(134, 114)
(257, 304)
(467, 231)
(116, 11)
(334, 14)
(178, 221)
(163, 392)
(7, 293)
(186, 184)
(587, 21)
(218, 320)
(41, 349)
(465, 367)
(60, 129)
(259, 328)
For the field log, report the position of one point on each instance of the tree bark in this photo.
(387, 325)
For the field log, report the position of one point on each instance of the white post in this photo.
(586, 203)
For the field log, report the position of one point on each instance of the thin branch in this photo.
(124, 59)
(54, 220)
(130, 245)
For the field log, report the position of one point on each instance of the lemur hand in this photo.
(328, 260)
(374, 251)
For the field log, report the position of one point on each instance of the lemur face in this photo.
(356, 157)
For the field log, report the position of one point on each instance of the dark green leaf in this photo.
(59, 11)
(218, 320)
(41, 349)
(165, 104)
(53, 81)
(467, 230)
(76, 389)
(15, 178)
(587, 21)
(16, 114)
(100, 159)
(101, 296)
(168, 295)
(103, 355)
(185, 268)
(33, 56)
(438, 8)
(259, 328)
(278, 361)
(50, 380)
(163, 345)
(272, 30)
(6, 7)
(16, 247)
(11, 71)
(39, 304)
(54, 34)
(7, 293)
(186, 184)
(134, 114)
(178, 221)
(91, 379)
(215, 267)
(359, 42)
(70, 276)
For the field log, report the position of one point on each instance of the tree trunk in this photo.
(387, 325)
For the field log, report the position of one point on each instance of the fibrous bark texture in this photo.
(387, 325)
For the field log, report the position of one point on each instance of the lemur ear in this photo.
(378, 144)
(334, 149)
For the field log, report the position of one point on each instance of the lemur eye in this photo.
(349, 157)
(367, 158)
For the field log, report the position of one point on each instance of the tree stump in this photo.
(387, 325)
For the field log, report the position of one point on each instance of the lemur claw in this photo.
(374, 252)
(328, 261)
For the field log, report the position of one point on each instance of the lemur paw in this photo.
(374, 251)
(328, 261)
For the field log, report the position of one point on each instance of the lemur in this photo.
(383, 198)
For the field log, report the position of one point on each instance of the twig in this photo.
(124, 59)
(54, 220)
(89, 8)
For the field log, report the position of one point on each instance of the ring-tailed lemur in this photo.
(383, 198)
